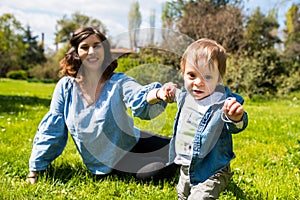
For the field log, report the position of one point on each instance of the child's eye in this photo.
(208, 77)
(191, 75)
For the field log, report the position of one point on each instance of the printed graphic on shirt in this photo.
(190, 117)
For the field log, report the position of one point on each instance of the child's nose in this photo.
(198, 81)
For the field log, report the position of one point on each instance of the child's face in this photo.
(201, 81)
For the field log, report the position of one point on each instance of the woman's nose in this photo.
(91, 50)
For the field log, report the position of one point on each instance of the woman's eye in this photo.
(97, 46)
(85, 48)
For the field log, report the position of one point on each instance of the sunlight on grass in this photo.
(266, 165)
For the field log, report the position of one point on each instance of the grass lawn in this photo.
(266, 167)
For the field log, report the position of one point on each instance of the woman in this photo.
(90, 101)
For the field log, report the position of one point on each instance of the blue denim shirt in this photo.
(212, 147)
(103, 132)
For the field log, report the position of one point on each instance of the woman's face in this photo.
(91, 52)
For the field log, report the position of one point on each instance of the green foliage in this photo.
(257, 74)
(18, 48)
(60, 54)
(258, 67)
(260, 32)
(34, 51)
(148, 73)
(11, 44)
(127, 63)
(290, 81)
(68, 25)
(266, 164)
(292, 39)
(47, 71)
(17, 74)
(151, 56)
(206, 19)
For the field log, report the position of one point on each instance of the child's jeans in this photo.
(210, 189)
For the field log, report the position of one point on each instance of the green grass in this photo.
(266, 167)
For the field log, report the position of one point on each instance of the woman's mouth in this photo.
(92, 59)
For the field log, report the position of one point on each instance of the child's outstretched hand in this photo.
(167, 92)
(233, 109)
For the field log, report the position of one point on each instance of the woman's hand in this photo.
(32, 177)
(167, 92)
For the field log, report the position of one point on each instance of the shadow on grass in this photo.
(17, 103)
(65, 173)
(251, 193)
(236, 190)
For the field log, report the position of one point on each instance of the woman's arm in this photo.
(51, 136)
(135, 97)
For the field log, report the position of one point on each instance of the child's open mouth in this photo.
(198, 91)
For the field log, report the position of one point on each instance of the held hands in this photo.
(233, 109)
(167, 92)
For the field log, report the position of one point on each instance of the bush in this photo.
(47, 71)
(290, 80)
(127, 63)
(255, 75)
(148, 73)
(17, 74)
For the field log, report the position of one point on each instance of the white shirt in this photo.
(192, 112)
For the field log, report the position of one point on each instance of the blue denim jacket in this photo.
(103, 132)
(212, 148)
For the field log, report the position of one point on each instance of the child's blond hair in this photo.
(205, 52)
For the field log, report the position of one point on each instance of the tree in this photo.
(34, 52)
(210, 19)
(260, 32)
(258, 74)
(292, 31)
(11, 44)
(134, 23)
(171, 12)
(152, 26)
(66, 26)
(291, 56)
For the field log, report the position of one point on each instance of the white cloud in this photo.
(41, 16)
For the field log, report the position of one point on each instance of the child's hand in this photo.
(233, 109)
(167, 92)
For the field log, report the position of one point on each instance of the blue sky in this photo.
(42, 15)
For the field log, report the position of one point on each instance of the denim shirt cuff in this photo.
(238, 124)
